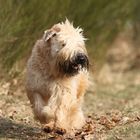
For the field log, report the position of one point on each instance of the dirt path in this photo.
(115, 109)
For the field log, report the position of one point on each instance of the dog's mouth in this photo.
(77, 66)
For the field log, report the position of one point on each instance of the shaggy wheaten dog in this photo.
(57, 77)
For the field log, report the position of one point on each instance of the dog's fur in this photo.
(57, 77)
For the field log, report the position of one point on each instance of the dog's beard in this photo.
(72, 66)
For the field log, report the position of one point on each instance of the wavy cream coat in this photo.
(56, 98)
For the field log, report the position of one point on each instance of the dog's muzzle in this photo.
(74, 65)
(80, 62)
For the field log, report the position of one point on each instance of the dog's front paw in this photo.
(48, 128)
(59, 131)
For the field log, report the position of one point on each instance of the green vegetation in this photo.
(23, 21)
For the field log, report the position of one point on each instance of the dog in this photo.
(57, 77)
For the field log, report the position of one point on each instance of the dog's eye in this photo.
(63, 44)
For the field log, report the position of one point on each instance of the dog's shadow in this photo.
(12, 130)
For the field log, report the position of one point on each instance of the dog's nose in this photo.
(81, 59)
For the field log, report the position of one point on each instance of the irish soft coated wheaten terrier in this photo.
(57, 77)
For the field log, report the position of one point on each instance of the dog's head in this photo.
(67, 48)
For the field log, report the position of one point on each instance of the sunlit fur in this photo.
(56, 96)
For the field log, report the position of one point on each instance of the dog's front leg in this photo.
(37, 104)
(43, 112)
(50, 110)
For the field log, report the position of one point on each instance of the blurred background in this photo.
(23, 22)
(113, 31)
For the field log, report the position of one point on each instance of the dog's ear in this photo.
(48, 34)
